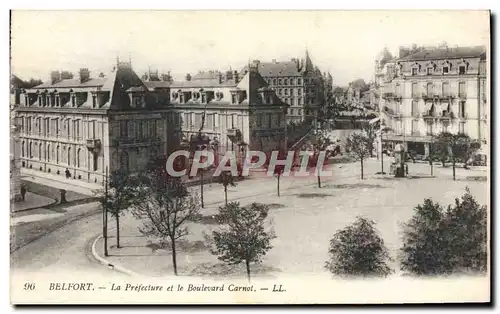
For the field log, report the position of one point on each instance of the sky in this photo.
(345, 43)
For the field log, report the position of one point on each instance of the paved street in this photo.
(304, 217)
(303, 220)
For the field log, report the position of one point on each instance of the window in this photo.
(446, 89)
(203, 98)
(414, 89)
(30, 150)
(461, 109)
(95, 159)
(58, 101)
(430, 89)
(461, 128)
(444, 128)
(152, 128)
(414, 108)
(414, 127)
(139, 130)
(57, 153)
(286, 81)
(123, 128)
(77, 127)
(280, 92)
(73, 100)
(78, 156)
(414, 71)
(233, 99)
(291, 81)
(286, 91)
(445, 70)
(69, 156)
(280, 82)
(48, 153)
(274, 81)
(429, 71)
(461, 70)
(299, 82)
(461, 89)
(429, 129)
(22, 149)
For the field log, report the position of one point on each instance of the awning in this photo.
(374, 120)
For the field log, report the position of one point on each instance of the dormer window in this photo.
(414, 71)
(446, 70)
(175, 95)
(429, 71)
(219, 95)
(203, 98)
(94, 101)
(234, 99)
(461, 70)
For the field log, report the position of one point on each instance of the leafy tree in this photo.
(422, 251)
(358, 250)
(464, 230)
(357, 147)
(165, 207)
(321, 142)
(459, 147)
(226, 178)
(121, 195)
(438, 241)
(243, 237)
(371, 135)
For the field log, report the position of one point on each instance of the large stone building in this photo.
(299, 84)
(79, 127)
(429, 90)
(235, 112)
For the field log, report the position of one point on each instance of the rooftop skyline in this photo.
(345, 43)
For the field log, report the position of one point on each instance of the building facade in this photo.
(79, 128)
(429, 90)
(297, 83)
(233, 112)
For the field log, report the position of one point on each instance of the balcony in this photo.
(94, 145)
(427, 115)
(446, 115)
(391, 95)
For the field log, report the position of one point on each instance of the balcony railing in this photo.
(446, 115)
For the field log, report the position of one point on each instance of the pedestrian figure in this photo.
(23, 192)
(68, 174)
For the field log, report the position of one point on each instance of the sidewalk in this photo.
(60, 182)
(31, 201)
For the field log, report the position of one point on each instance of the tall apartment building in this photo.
(299, 84)
(241, 112)
(86, 125)
(429, 90)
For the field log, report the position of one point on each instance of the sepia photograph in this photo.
(250, 157)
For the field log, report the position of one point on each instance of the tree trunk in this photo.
(453, 165)
(174, 257)
(225, 193)
(278, 185)
(117, 230)
(361, 168)
(319, 181)
(247, 263)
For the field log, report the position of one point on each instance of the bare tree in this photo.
(357, 147)
(165, 207)
(243, 237)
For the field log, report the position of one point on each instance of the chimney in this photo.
(254, 67)
(167, 77)
(66, 75)
(188, 77)
(84, 75)
(236, 77)
(55, 77)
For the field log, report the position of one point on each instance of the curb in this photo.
(108, 263)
